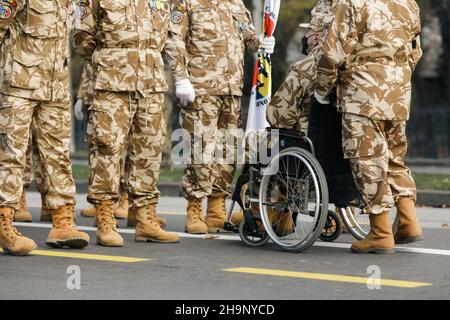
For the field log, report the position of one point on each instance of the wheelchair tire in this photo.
(249, 238)
(293, 190)
(333, 227)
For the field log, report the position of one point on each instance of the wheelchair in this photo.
(285, 195)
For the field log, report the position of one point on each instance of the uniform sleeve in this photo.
(86, 90)
(416, 53)
(85, 28)
(175, 49)
(8, 11)
(250, 37)
(338, 43)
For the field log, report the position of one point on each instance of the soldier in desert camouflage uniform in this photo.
(124, 40)
(35, 87)
(290, 105)
(206, 46)
(85, 100)
(369, 53)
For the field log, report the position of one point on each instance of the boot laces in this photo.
(107, 217)
(198, 211)
(8, 227)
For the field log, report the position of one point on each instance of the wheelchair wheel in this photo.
(293, 199)
(250, 238)
(333, 227)
(359, 224)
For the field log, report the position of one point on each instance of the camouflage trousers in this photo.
(33, 165)
(115, 119)
(377, 150)
(204, 175)
(289, 108)
(52, 127)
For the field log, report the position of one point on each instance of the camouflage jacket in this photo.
(34, 59)
(86, 90)
(124, 39)
(369, 52)
(206, 44)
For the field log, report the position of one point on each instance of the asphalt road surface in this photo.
(225, 268)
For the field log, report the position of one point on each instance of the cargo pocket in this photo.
(362, 138)
(115, 15)
(26, 72)
(39, 13)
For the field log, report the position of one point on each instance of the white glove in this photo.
(185, 92)
(321, 99)
(268, 44)
(78, 110)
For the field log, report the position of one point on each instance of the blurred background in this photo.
(429, 127)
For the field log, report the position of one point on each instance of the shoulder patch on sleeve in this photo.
(83, 8)
(7, 8)
(176, 17)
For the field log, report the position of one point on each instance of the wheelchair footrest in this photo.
(231, 227)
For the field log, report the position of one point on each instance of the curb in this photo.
(428, 198)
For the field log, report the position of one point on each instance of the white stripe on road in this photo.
(336, 245)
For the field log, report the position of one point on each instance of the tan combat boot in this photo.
(216, 215)
(131, 222)
(149, 229)
(22, 215)
(195, 222)
(64, 232)
(11, 241)
(107, 234)
(409, 229)
(380, 238)
(121, 211)
(88, 212)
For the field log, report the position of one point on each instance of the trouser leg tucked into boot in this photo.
(64, 232)
(11, 241)
(107, 234)
(149, 229)
(380, 238)
(216, 215)
(131, 222)
(121, 211)
(409, 229)
(195, 222)
(22, 215)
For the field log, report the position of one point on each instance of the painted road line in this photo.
(231, 237)
(127, 231)
(85, 256)
(327, 277)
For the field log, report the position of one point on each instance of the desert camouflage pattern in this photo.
(289, 108)
(37, 65)
(52, 126)
(35, 89)
(116, 117)
(124, 40)
(321, 15)
(33, 165)
(206, 44)
(369, 53)
(377, 149)
(86, 90)
(206, 119)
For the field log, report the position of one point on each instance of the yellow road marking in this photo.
(327, 277)
(85, 256)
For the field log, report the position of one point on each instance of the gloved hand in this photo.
(78, 110)
(185, 92)
(320, 99)
(268, 44)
